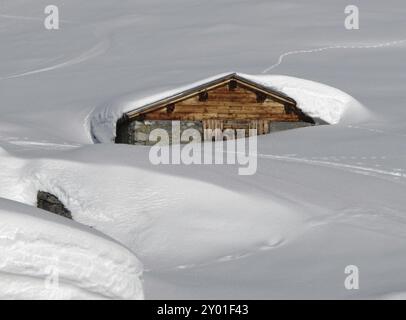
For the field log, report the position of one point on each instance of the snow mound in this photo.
(393, 296)
(44, 256)
(167, 217)
(315, 99)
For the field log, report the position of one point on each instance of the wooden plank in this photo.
(266, 126)
(229, 98)
(222, 116)
(237, 106)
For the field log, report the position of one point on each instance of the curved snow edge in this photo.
(50, 257)
(318, 100)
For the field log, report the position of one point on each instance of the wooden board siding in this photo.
(262, 126)
(213, 125)
(223, 103)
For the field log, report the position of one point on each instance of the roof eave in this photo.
(207, 86)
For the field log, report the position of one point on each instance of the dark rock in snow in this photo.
(51, 203)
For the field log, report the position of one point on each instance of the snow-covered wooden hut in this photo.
(226, 102)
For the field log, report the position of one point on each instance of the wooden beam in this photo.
(232, 85)
(203, 96)
(170, 108)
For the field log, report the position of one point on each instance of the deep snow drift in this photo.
(143, 206)
(322, 198)
(315, 99)
(43, 256)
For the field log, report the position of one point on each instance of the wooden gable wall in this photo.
(230, 101)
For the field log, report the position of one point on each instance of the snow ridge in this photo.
(44, 256)
(371, 46)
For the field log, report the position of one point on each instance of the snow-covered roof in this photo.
(207, 84)
(318, 101)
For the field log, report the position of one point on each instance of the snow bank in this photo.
(168, 215)
(317, 100)
(44, 256)
(164, 215)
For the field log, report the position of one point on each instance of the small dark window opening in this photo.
(122, 130)
(203, 96)
(232, 85)
(170, 108)
(261, 97)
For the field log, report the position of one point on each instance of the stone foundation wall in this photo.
(51, 203)
(139, 131)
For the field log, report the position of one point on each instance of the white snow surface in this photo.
(315, 99)
(323, 197)
(43, 256)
